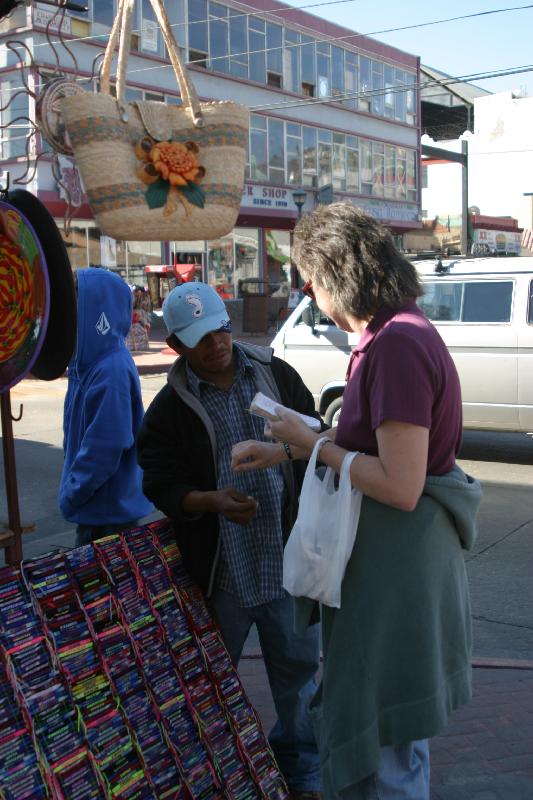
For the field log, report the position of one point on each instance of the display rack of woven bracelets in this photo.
(115, 683)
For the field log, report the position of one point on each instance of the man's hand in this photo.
(236, 506)
(250, 455)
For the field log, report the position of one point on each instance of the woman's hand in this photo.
(250, 455)
(293, 430)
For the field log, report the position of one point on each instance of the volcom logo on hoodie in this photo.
(103, 326)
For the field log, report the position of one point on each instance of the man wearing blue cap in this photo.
(231, 527)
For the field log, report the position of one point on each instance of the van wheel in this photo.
(331, 416)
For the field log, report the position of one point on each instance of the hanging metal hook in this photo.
(21, 409)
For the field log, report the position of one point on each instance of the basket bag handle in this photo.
(121, 32)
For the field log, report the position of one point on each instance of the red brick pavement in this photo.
(486, 753)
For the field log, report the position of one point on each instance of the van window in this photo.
(487, 302)
(442, 301)
(467, 301)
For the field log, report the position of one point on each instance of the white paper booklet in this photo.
(265, 407)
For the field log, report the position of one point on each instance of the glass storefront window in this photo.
(278, 255)
(231, 259)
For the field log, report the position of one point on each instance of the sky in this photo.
(482, 44)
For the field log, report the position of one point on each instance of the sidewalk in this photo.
(486, 753)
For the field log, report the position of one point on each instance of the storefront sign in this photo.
(41, 18)
(274, 198)
(488, 241)
(388, 211)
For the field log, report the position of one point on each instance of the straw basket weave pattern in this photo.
(134, 187)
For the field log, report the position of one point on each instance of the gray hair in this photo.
(354, 259)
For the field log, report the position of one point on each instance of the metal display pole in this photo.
(10, 539)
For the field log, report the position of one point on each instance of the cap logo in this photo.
(195, 301)
(103, 326)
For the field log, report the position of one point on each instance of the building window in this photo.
(291, 61)
(218, 38)
(365, 83)
(301, 155)
(323, 69)
(15, 137)
(308, 65)
(198, 29)
(378, 100)
(238, 44)
(324, 157)
(352, 164)
(339, 162)
(310, 173)
(276, 151)
(257, 47)
(258, 148)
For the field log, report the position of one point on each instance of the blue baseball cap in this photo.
(192, 310)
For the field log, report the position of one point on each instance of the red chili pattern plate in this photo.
(24, 296)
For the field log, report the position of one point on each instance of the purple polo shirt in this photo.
(401, 370)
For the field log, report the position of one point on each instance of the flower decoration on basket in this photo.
(171, 173)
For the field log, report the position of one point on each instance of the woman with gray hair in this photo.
(397, 652)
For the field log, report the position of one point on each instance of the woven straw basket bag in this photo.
(154, 171)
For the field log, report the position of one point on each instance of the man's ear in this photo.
(175, 344)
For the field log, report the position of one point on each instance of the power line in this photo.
(326, 40)
(478, 76)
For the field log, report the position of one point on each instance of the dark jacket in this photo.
(177, 451)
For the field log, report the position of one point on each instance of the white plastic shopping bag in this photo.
(323, 535)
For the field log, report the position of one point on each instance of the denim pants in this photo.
(403, 774)
(85, 534)
(291, 662)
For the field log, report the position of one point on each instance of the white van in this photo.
(482, 308)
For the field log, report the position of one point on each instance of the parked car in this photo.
(482, 308)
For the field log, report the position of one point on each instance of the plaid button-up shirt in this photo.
(251, 558)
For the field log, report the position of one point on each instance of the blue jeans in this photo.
(291, 662)
(85, 534)
(403, 774)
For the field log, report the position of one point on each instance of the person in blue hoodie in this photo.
(101, 483)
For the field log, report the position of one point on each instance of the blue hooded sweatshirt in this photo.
(101, 480)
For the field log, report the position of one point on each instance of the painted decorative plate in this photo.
(24, 296)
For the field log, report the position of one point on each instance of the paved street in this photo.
(487, 751)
